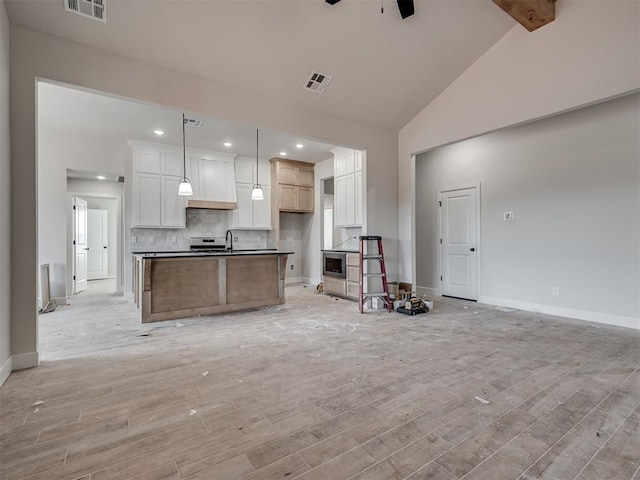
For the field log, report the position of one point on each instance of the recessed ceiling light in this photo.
(299, 145)
(284, 154)
(227, 144)
(101, 177)
(159, 132)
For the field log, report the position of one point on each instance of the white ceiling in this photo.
(385, 70)
(76, 112)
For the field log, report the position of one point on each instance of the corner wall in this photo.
(573, 183)
(38, 55)
(590, 53)
(5, 200)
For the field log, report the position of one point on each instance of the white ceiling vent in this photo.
(87, 8)
(193, 122)
(317, 82)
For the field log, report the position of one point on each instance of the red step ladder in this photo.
(371, 251)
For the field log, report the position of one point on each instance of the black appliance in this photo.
(334, 264)
(208, 244)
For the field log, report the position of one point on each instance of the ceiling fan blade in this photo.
(332, 2)
(405, 7)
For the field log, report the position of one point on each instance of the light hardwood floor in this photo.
(314, 390)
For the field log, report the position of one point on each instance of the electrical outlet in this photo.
(291, 267)
(134, 239)
(555, 291)
(235, 239)
(152, 239)
(173, 239)
(509, 216)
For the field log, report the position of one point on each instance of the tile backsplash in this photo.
(200, 223)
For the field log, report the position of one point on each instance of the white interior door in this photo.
(80, 247)
(459, 237)
(98, 244)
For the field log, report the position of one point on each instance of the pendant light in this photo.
(185, 184)
(257, 193)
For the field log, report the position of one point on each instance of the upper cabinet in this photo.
(156, 176)
(157, 172)
(348, 195)
(252, 214)
(213, 180)
(294, 181)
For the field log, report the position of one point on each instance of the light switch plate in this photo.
(509, 216)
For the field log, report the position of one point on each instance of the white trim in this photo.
(310, 281)
(439, 192)
(598, 317)
(25, 360)
(6, 370)
(429, 292)
(414, 245)
(293, 280)
(61, 301)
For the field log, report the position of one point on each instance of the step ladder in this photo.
(371, 252)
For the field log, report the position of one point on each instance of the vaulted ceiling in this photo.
(385, 69)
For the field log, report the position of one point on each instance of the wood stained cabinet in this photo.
(295, 185)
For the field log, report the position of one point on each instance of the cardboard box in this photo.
(393, 289)
(404, 291)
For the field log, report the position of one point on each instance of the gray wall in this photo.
(5, 200)
(573, 182)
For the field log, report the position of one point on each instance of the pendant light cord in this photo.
(184, 152)
(257, 167)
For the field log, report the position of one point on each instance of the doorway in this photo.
(459, 242)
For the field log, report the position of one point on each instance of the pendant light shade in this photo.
(257, 193)
(185, 184)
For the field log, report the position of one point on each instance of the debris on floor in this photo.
(143, 335)
(204, 374)
(178, 324)
(37, 403)
(192, 412)
(482, 400)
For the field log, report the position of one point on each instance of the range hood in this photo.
(212, 205)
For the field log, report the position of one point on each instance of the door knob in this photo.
(472, 249)
(104, 246)
(87, 248)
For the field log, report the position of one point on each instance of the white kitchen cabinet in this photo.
(252, 214)
(157, 171)
(348, 199)
(146, 203)
(172, 211)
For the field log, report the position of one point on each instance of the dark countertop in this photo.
(235, 253)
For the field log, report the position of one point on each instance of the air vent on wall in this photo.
(193, 122)
(317, 82)
(94, 9)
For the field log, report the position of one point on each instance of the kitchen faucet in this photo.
(228, 240)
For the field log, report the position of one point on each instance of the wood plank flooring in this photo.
(314, 390)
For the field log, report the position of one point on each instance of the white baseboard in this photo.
(6, 370)
(293, 280)
(429, 292)
(61, 301)
(310, 281)
(598, 317)
(25, 360)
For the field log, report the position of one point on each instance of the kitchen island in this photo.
(170, 285)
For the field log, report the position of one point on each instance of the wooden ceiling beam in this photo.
(531, 14)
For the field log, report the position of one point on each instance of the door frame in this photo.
(120, 238)
(452, 188)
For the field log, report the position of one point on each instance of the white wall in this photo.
(573, 182)
(35, 54)
(5, 200)
(589, 53)
(58, 152)
(311, 236)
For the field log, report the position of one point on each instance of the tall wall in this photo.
(573, 182)
(5, 200)
(38, 55)
(58, 152)
(591, 52)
